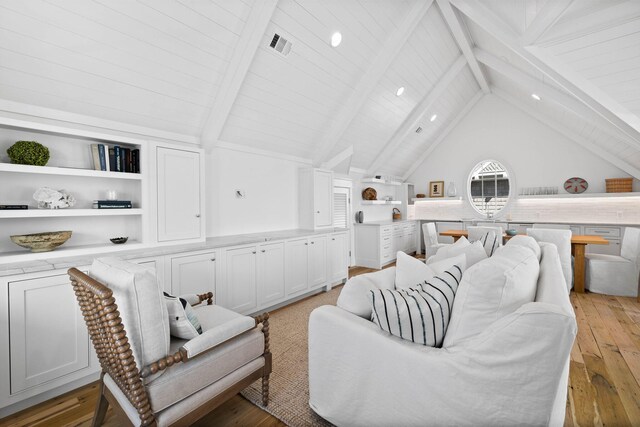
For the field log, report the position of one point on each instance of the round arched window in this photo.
(489, 188)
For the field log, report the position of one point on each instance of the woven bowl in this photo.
(42, 242)
(369, 194)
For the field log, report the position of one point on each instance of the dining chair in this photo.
(491, 237)
(553, 226)
(562, 240)
(150, 377)
(613, 274)
(430, 235)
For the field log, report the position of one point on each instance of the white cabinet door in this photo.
(240, 293)
(179, 204)
(48, 336)
(194, 274)
(317, 261)
(296, 265)
(271, 273)
(323, 197)
(338, 257)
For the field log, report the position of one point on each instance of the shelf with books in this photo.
(57, 213)
(52, 170)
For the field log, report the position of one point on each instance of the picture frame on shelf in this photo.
(436, 188)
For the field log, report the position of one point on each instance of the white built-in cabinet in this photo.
(239, 291)
(296, 266)
(271, 273)
(315, 202)
(337, 256)
(44, 343)
(378, 244)
(317, 261)
(180, 200)
(193, 273)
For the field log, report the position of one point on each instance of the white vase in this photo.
(451, 190)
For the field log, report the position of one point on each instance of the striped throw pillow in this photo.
(420, 314)
(490, 242)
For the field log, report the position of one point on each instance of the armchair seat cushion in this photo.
(184, 379)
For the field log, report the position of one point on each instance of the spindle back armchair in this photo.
(114, 350)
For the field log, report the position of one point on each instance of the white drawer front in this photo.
(602, 231)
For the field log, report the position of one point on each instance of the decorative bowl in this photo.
(119, 240)
(369, 194)
(420, 196)
(511, 232)
(42, 242)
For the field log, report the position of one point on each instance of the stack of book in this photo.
(112, 204)
(115, 158)
(13, 207)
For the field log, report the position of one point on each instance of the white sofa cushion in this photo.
(490, 241)
(141, 306)
(439, 267)
(492, 289)
(443, 288)
(354, 295)
(411, 271)
(474, 252)
(562, 240)
(527, 242)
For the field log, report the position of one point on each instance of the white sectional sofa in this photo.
(514, 372)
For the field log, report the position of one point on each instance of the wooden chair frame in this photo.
(114, 352)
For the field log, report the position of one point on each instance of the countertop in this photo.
(513, 221)
(154, 250)
(387, 222)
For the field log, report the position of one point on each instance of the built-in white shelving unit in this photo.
(581, 196)
(70, 167)
(381, 202)
(380, 181)
(48, 170)
(436, 199)
(58, 213)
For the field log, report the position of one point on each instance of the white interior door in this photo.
(343, 218)
(179, 209)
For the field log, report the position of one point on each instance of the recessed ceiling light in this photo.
(536, 97)
(433, 118)
(336, 39)
(400, 91)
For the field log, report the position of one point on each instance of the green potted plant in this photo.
(28, 153)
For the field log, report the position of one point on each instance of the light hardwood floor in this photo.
(604, 383)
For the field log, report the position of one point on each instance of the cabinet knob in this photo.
(312, 243)
(263, 250)
(306, 244)
(333, 238)
(253, 252)
(197, 215)
(213, 259)
(317, 211)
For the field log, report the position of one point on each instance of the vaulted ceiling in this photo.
(204, 69)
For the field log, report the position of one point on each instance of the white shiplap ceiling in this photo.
(190, 66)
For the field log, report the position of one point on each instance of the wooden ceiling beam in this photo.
(571, 81)
(462, 38)
(549, 93)
(442, 135)
(368, 82)
(236, 71)
(561, 129)
(550, 13)
(413, 119)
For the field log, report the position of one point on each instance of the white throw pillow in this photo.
(451, 250)
(421, 314)
(439, 267)
(527, 242)
(492, 289)
(474, 252)
(354, 296)
(183, 321)
(410, 271)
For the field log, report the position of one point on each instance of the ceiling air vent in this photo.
(280, 44)
(419, 129)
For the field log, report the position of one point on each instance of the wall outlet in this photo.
(619, 214)
(240, 194)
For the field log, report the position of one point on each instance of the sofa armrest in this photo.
(360, 375)
(195, 299)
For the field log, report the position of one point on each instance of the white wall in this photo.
(536, 155)
(270, 185)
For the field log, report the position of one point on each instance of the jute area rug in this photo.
(289, 380)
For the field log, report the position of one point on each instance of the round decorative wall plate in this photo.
(576, 185)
